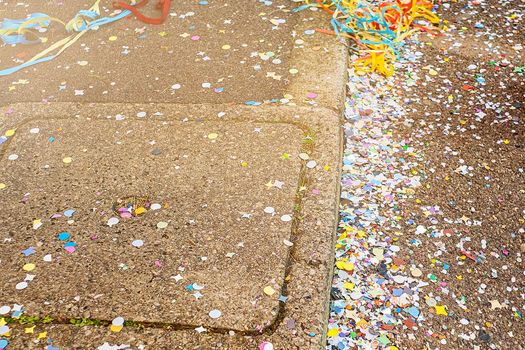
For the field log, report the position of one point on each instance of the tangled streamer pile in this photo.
(378, 28)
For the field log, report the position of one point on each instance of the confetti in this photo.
(269, 291)
(215, 314)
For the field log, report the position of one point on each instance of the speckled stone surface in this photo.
(121, 146)
(213, 205)
(130, 58)
(91, 282)
(181, 61)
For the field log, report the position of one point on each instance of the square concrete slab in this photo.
(216, 172)
(222, 188)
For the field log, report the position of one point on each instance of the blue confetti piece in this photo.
(283, 298)
(397, 292)
(414, 312)
(28, 251)
(63, 236)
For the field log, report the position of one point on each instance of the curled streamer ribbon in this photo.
(13, 31)
(379, 28)
(16, 31)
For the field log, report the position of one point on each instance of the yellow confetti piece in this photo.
(226, 47)
(2, 185)
(269, 291)
(112, 38)
(213, 136)
(42, 335)
(441, 310)
(10, 132)
(29, 267)
(29, 330)
(244, 164)
(347, 266)
(333, 332)
(116, 329)
(67, 160)
(140, 210)
(362, 324)
(293, 71)
(348, 285)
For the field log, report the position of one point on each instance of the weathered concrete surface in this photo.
(129, 58)
(168, 153)
(213, 205)
(110, 162)
(237, 49)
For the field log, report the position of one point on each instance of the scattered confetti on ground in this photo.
(430, 247)
(160, 209)
(431, 240)
(202, 53)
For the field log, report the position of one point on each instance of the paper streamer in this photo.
(17, 31)
(163, 5)
(14, 31)
(378, 27)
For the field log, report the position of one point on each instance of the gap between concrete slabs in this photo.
(309, 261)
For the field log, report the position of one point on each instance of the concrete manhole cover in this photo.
(206, 249)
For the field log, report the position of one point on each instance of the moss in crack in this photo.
(309, 138)
(133, 324)
(28, 320)
(81, 322)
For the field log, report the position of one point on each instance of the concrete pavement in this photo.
(227, 144)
